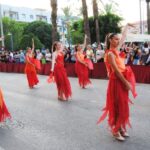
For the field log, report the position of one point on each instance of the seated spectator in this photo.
(22, 57)
(89, 53)
(72, 55)
(99, 54)
(136, 57)
(43, 59)
(48, 56)
(38, 55)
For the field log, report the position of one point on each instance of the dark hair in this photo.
(145, 45)
(76, 47)
(108, 37)
(54, 46)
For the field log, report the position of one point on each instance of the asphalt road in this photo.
(41, 122)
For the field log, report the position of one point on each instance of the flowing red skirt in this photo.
(62, 82)
(4, 114)
(82, 73)
(117, 102)
(31, 75)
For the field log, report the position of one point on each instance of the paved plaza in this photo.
(41, 122)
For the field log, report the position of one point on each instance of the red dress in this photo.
(117, 101)
(61, 79)
(4, 113)
(82, 71)
(30, 71)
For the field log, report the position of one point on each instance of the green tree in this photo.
(16, 29)
(26, 41)
(67, 12)
(108, 21)
(67, 22)
(41, 30)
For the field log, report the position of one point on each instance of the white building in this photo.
(140, 27)
(25, 14)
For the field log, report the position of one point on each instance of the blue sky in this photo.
(129, 9)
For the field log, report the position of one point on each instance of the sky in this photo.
(128, 9)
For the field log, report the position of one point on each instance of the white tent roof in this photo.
(137, 38)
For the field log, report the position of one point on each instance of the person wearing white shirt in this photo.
(48, 56)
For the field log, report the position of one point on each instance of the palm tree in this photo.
(111, 8)
(54, 18)
(95, 12)
(86, 22)
(68, 14)
(148, 15)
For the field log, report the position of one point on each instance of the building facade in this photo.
(23, 14)
(140, 28)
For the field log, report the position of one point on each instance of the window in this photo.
(41, 18)
(13, 15)
(24, 16)
(31, 17)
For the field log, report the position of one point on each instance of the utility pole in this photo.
(141, 31)
(148, 15)
(1, 24)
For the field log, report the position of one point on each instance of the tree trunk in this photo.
(148, 15)
(86, 22)
(95, 13)
(54, 18)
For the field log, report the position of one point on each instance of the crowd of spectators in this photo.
(135, 53)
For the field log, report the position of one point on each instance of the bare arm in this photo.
(53, 61)
(111, 60)
(124, 34)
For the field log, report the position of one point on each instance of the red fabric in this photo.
(10, 67)
(89, 63)
(31, 73)
(70, 68)
(3, 67)
(99, 71)
(117, 100)
(47, 69)
(16, 68)
(37, 64)
(82, 73)
(4, 113)
(21, 68)
(62, 82)
(142, 73)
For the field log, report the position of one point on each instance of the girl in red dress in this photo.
(121, 80)
(81, 67)
(59, 72)
(30, 68)
(4, 113)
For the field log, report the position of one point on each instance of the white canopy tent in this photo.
(137, 38)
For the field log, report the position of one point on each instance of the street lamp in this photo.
(1, 24)
(11, 41)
